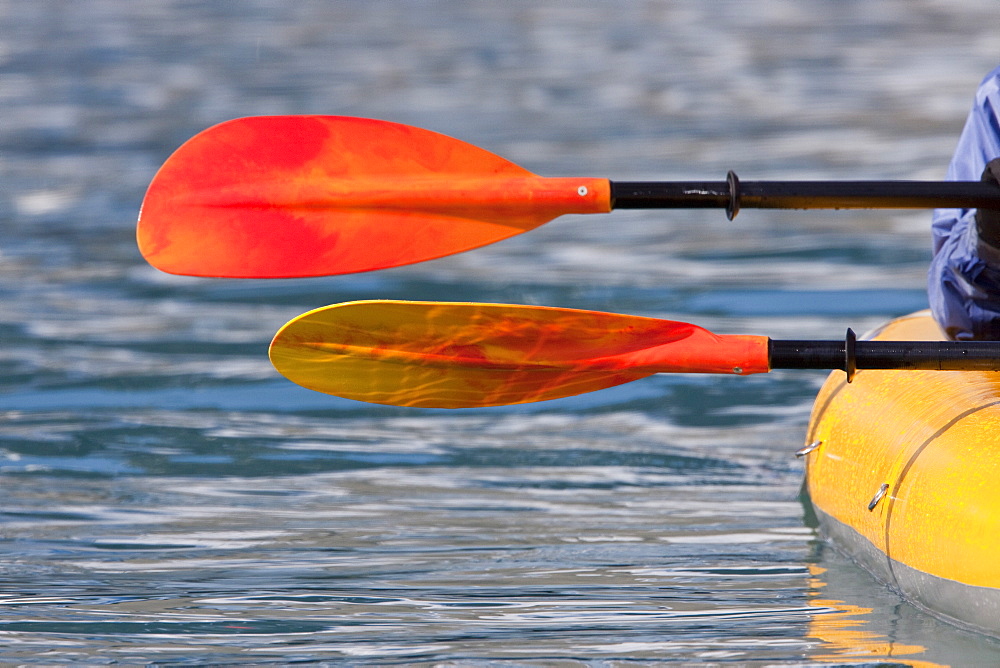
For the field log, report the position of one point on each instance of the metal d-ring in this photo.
(879, 495)
(803, 451)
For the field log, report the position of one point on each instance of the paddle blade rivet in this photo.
(879, 495)
(802, 452)
(582, 191)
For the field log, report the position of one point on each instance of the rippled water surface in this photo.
(166, 497)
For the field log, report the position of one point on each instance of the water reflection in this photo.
(846, 632)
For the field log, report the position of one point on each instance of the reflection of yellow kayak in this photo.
(849, 632)
(904, 475)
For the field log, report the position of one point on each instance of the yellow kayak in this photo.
(903, 471)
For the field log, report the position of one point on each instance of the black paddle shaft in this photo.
(733, 195)
(851, 355)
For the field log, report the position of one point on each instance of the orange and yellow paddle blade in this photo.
(461, 355)
(292, 196)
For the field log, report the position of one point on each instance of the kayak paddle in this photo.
(294, 196)
(462, 355)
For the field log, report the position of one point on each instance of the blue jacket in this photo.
(964, 277)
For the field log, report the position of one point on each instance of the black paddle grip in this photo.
(850, 355)
(733, 195)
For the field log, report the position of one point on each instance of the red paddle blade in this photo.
(292, 196)
(461, 355)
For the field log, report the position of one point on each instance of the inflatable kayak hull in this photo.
(903, 472)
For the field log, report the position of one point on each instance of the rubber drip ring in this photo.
(850, 354)
(733, 207)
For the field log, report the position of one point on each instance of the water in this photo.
(166, 498)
